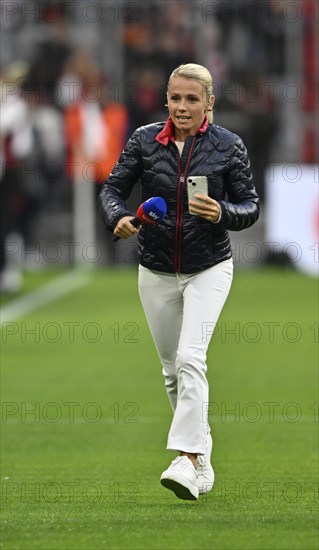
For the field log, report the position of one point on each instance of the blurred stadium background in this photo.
(66, 63)
(77, 77)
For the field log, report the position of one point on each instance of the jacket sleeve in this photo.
(118, 186)
(241, 210)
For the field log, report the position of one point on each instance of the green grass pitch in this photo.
(85, 419)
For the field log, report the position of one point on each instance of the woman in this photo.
(186, 269)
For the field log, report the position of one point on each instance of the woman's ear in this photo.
(211, 103)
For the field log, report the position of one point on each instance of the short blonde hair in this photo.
(199, 73)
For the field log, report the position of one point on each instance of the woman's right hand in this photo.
(124, 229)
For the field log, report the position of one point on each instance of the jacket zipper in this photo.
(180, 211)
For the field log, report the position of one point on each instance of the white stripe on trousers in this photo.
(179, 308)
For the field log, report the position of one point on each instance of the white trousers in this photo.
(182, 311)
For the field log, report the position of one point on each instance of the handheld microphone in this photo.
(151, 211)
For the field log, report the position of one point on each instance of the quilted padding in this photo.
(182, 242)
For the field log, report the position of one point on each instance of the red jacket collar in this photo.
(168, 131)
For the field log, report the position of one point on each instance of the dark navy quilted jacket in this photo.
(182, 242)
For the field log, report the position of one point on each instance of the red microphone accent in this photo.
(143, 216)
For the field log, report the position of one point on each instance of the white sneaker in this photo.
(204, 469)
(181, 478)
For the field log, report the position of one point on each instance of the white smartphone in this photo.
(196, 185)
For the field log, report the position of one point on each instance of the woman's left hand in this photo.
(208, 208)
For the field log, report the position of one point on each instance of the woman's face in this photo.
(187, 105)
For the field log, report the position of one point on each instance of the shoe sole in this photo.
(205, 490)
(206, 486)
(181, 491)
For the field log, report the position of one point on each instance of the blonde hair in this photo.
(199, 73)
